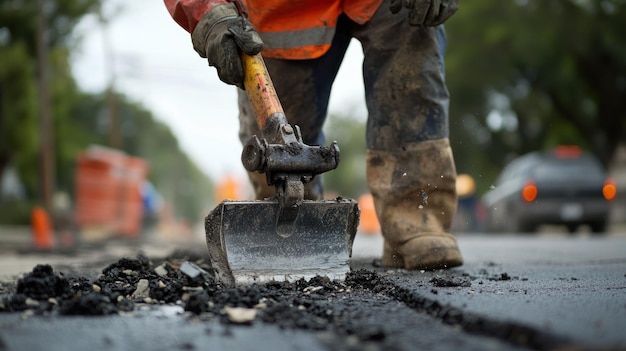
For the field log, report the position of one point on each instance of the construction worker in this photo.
(410, 167)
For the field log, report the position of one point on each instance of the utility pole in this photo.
(115, 134)
(45, 111)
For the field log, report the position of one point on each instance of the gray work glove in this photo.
(221, 36)
(426, 12)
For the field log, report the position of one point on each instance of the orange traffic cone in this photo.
(368, 223)
(43, 237)
(228, 188)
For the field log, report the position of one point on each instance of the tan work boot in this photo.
(415, 198)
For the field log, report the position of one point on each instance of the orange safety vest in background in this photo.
(290, 29)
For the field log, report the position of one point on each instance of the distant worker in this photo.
(63, 220)
(410, 167)
(151, 201)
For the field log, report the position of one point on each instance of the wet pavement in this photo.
(542, 292)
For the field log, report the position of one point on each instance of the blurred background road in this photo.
(111, 125)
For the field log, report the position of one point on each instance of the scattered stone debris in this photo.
(317, 305)
(131, 282)
(240, 315)
(161, 270)
(118, 288)
(90, 304)
(504, 276)
(195, 272)
(143, 289)
(448, 282)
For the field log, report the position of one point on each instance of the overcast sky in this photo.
(155, 64)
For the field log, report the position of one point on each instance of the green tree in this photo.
(529, 74)
(19, 109)
(349, 178)
(18, 114)
(173, 174)
(19, 19)
(80, 119)
(178, 179)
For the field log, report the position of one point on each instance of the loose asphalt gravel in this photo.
(538, 293)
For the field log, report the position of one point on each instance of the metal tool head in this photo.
(245, 248)
(288, 237)
(288, 164)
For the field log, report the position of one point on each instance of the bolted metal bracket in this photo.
(288, 165)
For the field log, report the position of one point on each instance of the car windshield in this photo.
(559, 170)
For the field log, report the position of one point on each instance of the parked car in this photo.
(566, 186)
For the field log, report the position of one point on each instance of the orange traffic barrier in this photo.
(43, 235)
(368, 223)
(108, 193)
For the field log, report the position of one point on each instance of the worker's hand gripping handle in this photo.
(280, 148)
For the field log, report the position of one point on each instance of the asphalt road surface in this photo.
(545, 292)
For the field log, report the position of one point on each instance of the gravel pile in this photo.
(181, 280)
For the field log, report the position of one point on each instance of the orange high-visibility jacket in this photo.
(290, 29)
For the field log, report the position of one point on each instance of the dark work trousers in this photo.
(403, 73)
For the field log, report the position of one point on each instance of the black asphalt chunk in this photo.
(198, 302)
(141, 263)
(42, 284)
(13, 303)
(92, 304)
(447, 282)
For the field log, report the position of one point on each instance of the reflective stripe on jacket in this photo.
(290, 29)
(303, 29)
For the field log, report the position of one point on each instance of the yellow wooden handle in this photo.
(260, 89)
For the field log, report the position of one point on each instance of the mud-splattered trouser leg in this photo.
(410, 168)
